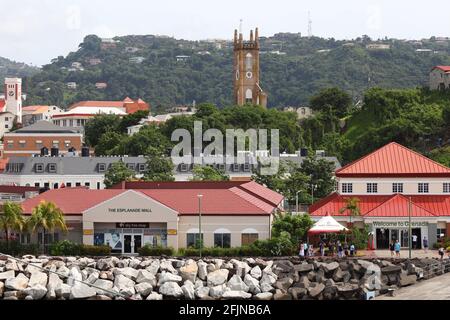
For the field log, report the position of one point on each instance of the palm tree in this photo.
(352, 205)
(46, 217)
(12, 219)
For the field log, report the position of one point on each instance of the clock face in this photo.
(249, 75)
(11, 93)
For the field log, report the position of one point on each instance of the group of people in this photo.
(339, 248)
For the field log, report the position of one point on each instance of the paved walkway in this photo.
(403, 253)
(437, 288)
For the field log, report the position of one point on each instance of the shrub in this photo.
(149, 250)
(69, 248)
(15, 248)
(90, 250)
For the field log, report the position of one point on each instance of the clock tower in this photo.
(246, 71)
(13, 97)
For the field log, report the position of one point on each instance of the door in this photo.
(417, 232)
(405, 239)
(382, 238)
(394, 235)
(127, 243)
(137, 242)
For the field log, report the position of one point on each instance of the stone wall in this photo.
(149, 278)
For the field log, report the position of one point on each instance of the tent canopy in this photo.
(327, 224)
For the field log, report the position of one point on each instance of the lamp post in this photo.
(296, 201)
(199, 196)
(409, 226)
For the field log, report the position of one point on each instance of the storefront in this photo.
(386, 232)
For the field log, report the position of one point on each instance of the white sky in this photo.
(35, 31)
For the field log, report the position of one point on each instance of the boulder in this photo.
(217, 291)
(217, 277)
(236, 283)
(103, 284)
(128, 272)
(168, 277)
(329, 293)
(153, 268)
(104, 264)
(330, 267)
(100, 297)
(53, 281)
(38, 277)
(236, 295)
(297, 293)
(256, 272)
(144, 289)
(347, 290)
(279, 295)
(155, 296)
(391, 270)
(18, 283)
(63, 271)
(36, 292)
(202, 292)
(62, 290)
(284, 266)
(263, 296)
(93, 277)
(303, 282)
(2, 289)
(304, 267)
(406, 280)
(252, 283)
(189, 271)
(284, 284)
(242, 268)
(123, 283)
(315, 291)
(188, 290)
(166, 265)
(146, 276)
(311, 276)
(7, 275)
(202, 272)
(171, 289)
(82, 291)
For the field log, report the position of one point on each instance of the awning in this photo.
(327, 224)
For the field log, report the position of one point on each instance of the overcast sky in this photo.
(35, 31)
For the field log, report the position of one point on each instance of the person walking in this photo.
(397, 249)
(311, 251)
(392, 248)
(305, 248)
(425, 244)
(441, 252)
(322, 248)
(414, 241)
(345, 249)
(340, 249)
(352, 250)
(301, 253)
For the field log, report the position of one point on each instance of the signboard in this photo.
(132, 225)
(88, 232)
(129, 210)
(172, 232)
(399, 224)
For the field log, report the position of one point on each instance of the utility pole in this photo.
(200, 223)
(409, 227)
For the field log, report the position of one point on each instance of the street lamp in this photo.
(409, 226)
(199, 196)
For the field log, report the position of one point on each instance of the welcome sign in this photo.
(399, 224)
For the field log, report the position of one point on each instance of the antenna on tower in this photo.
(309, 25)
(240, 25)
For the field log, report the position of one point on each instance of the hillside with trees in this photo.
(9, 68)
(293, 68)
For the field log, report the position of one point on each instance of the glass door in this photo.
(405, 239)
(137, 243)
(127, 243)
(394, 235)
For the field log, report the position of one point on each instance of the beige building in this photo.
(135, 214)
(440, 78)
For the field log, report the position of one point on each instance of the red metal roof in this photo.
(2, 104)
(226, 198)
(394, 160)
(443, 68)
(394, 205)
(115, 104)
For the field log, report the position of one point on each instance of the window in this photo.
(192, 239)
(6, 119)
(446, 187)
(98, 185)
(6, 126)
(347, 187)
(235, 167)
(248, 238)
(55, 186)
(101, 167)
(397, 188)
(25, 238)
(37, 184)
(246, 167)
(423, 187)
(39, 144)
(222, 240)
(372, 188)
(221, 167)
(78, 122)
(47, 185)
(52, 167)
(22, 143)
(183, 167)
(130, 166)
(69, 184)
(39, 167)
(87, 184)
(440, 233)
(141, 167)
(78, 184)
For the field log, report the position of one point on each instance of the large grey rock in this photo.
(188, 290)
(347, 290)
(217, 277)
(304, 282)
(297, 292)
(63, 271)
(407, 280)
(7, 275)
(304, 267)
(256, 272)
(217, 291)
(391, 269)
(252, 283)
(236, 283)
(104, 264)
(18, 283)
(284, 284)
(264, 296)
(166, 265)
(202, 292)
(280, 295)
(236, 295)
(128, 272)
(37, 292)
(155, 296)
(123, 283)
(38, 277)
(283, 266)
(316, 290)
(143, 288)
(189, 271)
(105, 285)
(202, 272)
(171, 289)
(168, 277)
(93, 277)
(53, 281)
(153, 268)
(146, 276)
(62, 290)
(242, 268)
(82, 291)
(330, 267)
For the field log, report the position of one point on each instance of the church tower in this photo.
(246, 71)
(13, 97)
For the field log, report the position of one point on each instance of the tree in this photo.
(158, 167)
(11, 219)
(352, 205)
(208, 173)
(132, 120)
(321, 173)
(117, 173)
(108, 142)
(100, 124)
(296, 225)
(332, 100)
(46, 216)
(148, 138)
(297, 182)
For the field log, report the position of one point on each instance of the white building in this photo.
(33, 114)
(77, 117)
(13, 97)
(440, 78)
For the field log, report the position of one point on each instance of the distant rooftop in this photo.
(45, 127)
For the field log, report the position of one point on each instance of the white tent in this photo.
(327, 224)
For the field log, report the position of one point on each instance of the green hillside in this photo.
(293, 69)
(10, 68)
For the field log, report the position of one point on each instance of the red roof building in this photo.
(166, 213)
(392, 184)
